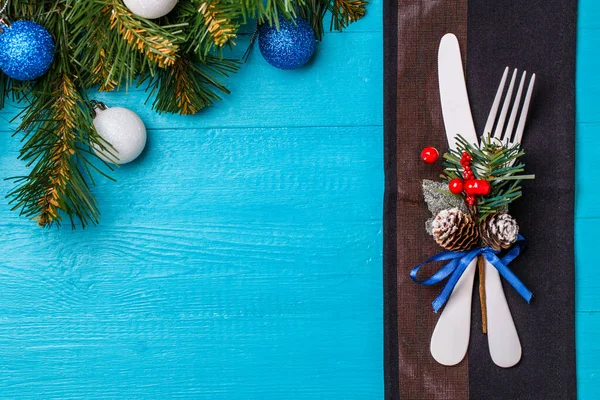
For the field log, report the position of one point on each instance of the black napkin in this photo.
(536, 35)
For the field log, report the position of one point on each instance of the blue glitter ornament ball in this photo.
(26, 50)
(290, 47)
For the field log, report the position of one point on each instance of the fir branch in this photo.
(159, 44)
(189, 86)
(101, 43)
(314, 12)
(55, 124)
(220, 21)
(105, 59)
(4, 88)
(495, 163)
(211, 24)
(102, 73)
(344, 12)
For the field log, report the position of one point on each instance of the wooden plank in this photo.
(588, 64)
(231, 263)
(587, 174)
(202, 171)
(587, 274)
(588, 15)
(588, 368)
(342, 86)
(587, 210)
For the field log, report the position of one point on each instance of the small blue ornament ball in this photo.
(26, 50)
(289, 48)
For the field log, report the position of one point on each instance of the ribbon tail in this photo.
(454, 278)
(508, 274)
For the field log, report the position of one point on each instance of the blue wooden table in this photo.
(241, 257)
(587, 213)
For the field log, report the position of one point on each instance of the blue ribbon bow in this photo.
(460, 260)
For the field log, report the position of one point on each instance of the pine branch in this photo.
(269, 11)
(314, 12)
(93, 52)
(495, 163)
(101, 43)
(4, 88)
(344, 12)
(55, 182)
(159, 44)
(220, 21)
(189, 86)
(55, 124)
(32, 9)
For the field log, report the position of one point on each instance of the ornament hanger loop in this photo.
(3, 18)
(4, 7)
(97, 105)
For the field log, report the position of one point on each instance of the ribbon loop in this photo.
(460, 260)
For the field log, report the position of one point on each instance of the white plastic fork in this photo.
(503, 339)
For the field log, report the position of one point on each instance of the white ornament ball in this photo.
(150, 9)
(124, 130)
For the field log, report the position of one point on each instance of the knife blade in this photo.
(453, 93)
(450, 338)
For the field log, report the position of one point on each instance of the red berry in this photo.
(456, 185)
(484, 187)
(467, 167)
(465, 154)
(468, 175)
(430, 155)
(472, 187)
(470, 200)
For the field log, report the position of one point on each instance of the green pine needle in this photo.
(495, 163)
(101, 44)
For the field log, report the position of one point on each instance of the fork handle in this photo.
(450, 338)
(503, 339)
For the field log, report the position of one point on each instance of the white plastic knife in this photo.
(453, 93)
(450, 338)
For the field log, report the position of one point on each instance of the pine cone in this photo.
(498, 231)
(454, 230)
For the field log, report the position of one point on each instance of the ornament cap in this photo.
(4, 22)
(97, 107)
(3, 18)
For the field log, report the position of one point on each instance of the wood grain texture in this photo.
(243, 263)
(239, 258)
(587, 215)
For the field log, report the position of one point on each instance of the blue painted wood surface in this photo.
(587, 214)
(241, 256)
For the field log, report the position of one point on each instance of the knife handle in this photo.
(503, 339)
(450, 338)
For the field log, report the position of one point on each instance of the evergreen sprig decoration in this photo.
(101, 44)
(495, 162)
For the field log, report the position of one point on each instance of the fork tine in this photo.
(492, 116)
(521, 126)
(508, 133)
(500, 125)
